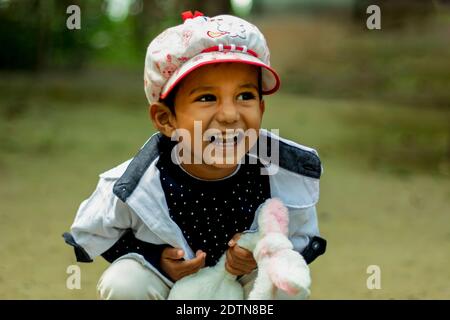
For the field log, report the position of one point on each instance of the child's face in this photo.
(224, 97)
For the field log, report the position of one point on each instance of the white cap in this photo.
(200, 41)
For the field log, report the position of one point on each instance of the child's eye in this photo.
(206, 98)
(246, 96)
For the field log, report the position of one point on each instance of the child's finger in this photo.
(194, 269)
(191, 271)
(232, 261)
(242, 254)
(202, 255)
(234, 240)
(234, 270)
(246, 263)
(195, 263)
(172, 253)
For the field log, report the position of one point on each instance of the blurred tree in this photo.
(19, 37)
(395, 14)
(35, 36)
(156, 15)
(145, 21)
(211, 8)
(153, 16)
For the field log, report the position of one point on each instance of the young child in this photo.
(168, 212)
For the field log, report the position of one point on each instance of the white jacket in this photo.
(130, 196)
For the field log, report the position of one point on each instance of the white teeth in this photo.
(225, 139)
(224, 143)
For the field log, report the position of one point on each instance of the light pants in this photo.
(128, 279)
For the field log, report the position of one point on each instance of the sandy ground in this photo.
(370, 215)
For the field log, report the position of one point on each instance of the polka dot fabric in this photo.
(128, 243)
(210, 213)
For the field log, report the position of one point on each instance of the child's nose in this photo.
(227, 113)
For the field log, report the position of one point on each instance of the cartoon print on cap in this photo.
(156, 90)
(187, 34)
(214, 34)
(202, 39)
(231, 29)
(169, 67)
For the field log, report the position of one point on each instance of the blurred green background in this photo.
(374, 103)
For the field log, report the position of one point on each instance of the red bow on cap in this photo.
(189, 15)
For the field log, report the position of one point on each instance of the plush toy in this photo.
(280, 268)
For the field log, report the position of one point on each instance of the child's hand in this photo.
(176, 268)
(239, 260)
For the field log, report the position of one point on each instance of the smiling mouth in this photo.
(226, 140)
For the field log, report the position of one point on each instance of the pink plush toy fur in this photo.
(280, 268)
(282, 272)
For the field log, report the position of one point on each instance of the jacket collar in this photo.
(296, 182)
(297, 166)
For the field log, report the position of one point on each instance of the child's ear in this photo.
(163, 118)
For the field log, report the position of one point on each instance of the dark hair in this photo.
(169, 101)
